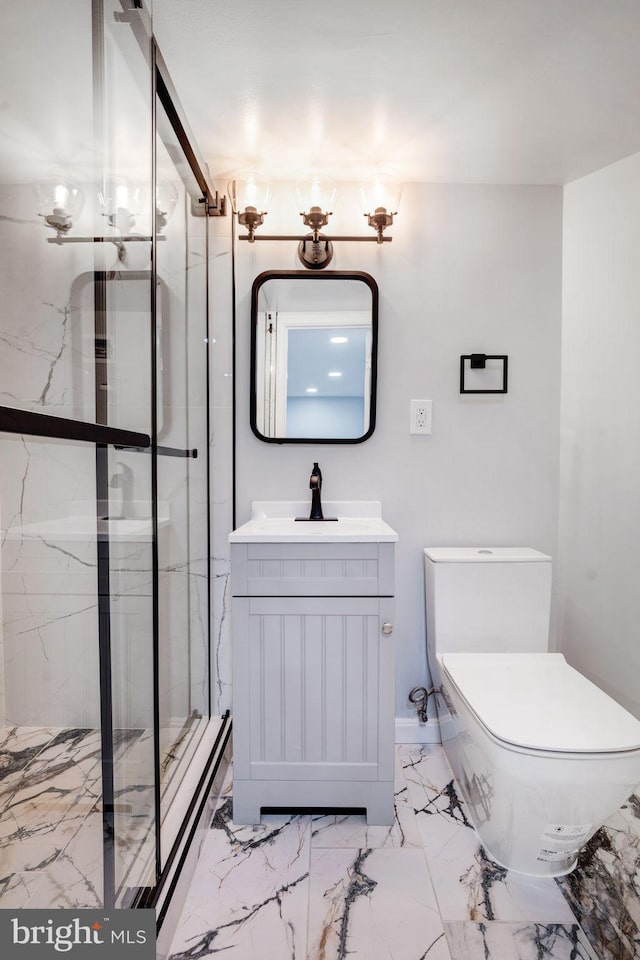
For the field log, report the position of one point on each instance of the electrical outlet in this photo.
(420, 416)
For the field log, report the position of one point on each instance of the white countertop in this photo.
(273, 521)
(84, 526)
(74, 528)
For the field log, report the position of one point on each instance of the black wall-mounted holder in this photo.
(478, 361)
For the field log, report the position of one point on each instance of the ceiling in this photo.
(470, 91)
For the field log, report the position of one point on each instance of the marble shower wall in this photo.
(49, 608)
(45, 347)
(221, 447)
(46, 365)
(47, 488)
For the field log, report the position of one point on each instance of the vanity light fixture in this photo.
(122, 205)
(167, 197)
(317, 196)
(339, 340)
(59, 204)
(380, 193)
(248, 196)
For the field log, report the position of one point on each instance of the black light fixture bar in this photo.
(60, 428)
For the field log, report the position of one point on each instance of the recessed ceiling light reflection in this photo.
(335, 373)
(312, 389)
(339, 340)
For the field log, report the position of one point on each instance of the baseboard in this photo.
(410, 730)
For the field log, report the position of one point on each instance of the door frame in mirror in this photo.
(316, 276)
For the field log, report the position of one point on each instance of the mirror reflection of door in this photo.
(314, 357)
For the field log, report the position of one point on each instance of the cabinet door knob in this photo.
(387, 629)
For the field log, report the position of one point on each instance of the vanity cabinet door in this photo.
(313, 689)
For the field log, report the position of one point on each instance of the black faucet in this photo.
(315, 483)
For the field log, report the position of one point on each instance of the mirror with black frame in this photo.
(314, 340)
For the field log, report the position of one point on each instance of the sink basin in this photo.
(274, 521)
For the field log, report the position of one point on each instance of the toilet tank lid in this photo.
(482, 554)
(538, 701)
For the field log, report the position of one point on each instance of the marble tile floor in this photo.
(50, 785)
(332, 888)
(321, 887)
(50, 813)
(604, 890)
(50, 808)
(178, 743)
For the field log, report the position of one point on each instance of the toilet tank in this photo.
(487, 599)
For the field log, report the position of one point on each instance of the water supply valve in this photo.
(418, 697)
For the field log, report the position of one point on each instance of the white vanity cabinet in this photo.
(313, 665)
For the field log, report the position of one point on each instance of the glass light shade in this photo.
(380, 192)
(59, 197)
(126, 205)
(167, 197)
(317, 192)
(123, 202)
(250, 192)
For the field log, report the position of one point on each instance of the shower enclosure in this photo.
(107, 729)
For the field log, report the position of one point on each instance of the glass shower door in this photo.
(182, 475)
(77, 803)
(105, 726)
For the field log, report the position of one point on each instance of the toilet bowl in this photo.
(542, 756)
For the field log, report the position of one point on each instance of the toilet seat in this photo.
(537, 701)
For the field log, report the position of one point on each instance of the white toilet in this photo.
(541, 754)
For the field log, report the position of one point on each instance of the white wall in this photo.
(470, 269)
(600, 429)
